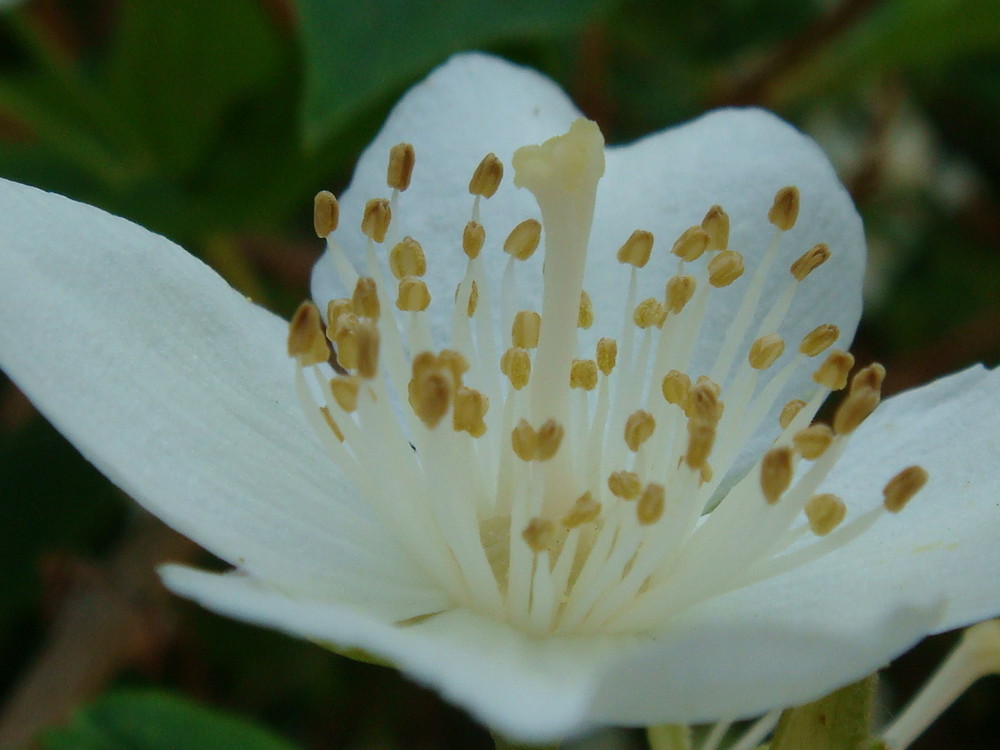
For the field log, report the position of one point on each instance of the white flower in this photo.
(521, 585)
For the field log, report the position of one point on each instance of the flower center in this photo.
(565, 493)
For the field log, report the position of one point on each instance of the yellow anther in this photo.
(701, 438)
(365, 299)
(334, 309)
(775, 473)
(469, 409)
(486, 179)
(585, 315)
(785, 209)
(539, 534)
(833, 372)
(473, 302)
(345, 392)
(376, 219)
(454, 362)
(407, 259)
(413, 295)
(725, 268)
(649, 509)
(812, 441)
(430, 396)
(680, 290)
(676, 388)
(625, 484)
(326, 213)
(306, 340)
(789, 411)
(716, 223)
(870, 377)
(368, 347)
(585, 510)
(473, 238)
(824, 513)
(401, 161)
(524, 332)
(649, 314)
(902, 487)
(639, 428)
(523, 239)
(809, 261)
(819, 339)
(703, 404)
(607, 355)
(516, 365)
(583, 374)
(855, 409)
(636, 249)
(765, 351)
(524, 441)
(550, 437)
(692, 243)
(424, 363)
(345, 340)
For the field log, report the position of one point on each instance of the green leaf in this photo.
(358, 51)
(840, 721)
(154, 720)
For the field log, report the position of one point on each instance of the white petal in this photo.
(178, 389)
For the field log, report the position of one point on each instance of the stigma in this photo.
(565, 487)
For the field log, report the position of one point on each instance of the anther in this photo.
(649, 314)
(585, 315)
(775, 473)
(550, 437)
(810, 260)
(539, 534)
(639, 428)
(455, 362)
(680, 290)
(524, 332)
(716, 223)
(607, 355)
(407, 259)
(326, 213)
(345, 339)
(523, 239)
(583, 374)
(430, 396)
(701, 438)
(368, 347)
(413, 295)
(819, 339)
(649, 509)
(812, 441)
(365, 299)
(785, 209)
(585, 510)
(765, 351)
(401, 161)
(636, 249)
(486, 179)
(625, 484)
(376, 220)
(692, 243)
(473, 303)
(902, 487)
(725, 268)
(870, 377)
(824, 513)
(703, 404)
(789, 411)
(334, 309)
(468, 411)
(676, 387)
(516, 365)
(345, 392)
(306, 340)
(855, 409)
(833, 372)
(473, 238)
(524, 441)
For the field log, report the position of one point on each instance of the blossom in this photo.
(671, 539)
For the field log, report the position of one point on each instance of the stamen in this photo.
(776, 473)
(636, 249)
(585, 510)
(473, 303)
(869, 377)
(607, 355)
(725, 268)
(638, 429)
(824, 513)
(765, 351)
(413, 295)
(819, 340)
(407, 259)
(676, 387)
(902, 487)
(625, 484)
(701, 438)
(812, 259)
(376, 220)
(401, 161)
(486, 179)
(832, 374)
(365, 299)
(469, 410)
(326, 213)
(583, 374)
(430, 390)
(585, 317)
(473, 239)
(680, 290)
(649, 509)
(789, 411)
(334, 309)
(812, 442)
(368, 349)
(523, 239)
(855, 409)
(550, 437)
(345, 392)
(306, 341)
(692, 243)
(649, 314)
(539, 534)
(716, 223)
(516, 365)
(345, 339)
(525, 330)
(785, 209)
(524, 441)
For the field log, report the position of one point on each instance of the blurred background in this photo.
(214, 122)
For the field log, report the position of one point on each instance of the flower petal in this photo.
(178, 389)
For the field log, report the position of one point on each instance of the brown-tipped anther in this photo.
(468, 412)
(810, 260)
(855, 409)
(583, 374)
(516, 365)
(676, 388)
(473, 301)
(334, 309)
(413, 295)
(376, 220)
(833, 372)
(550, 437)
(524, 441)
(701, 438)
(869, 377)
(785, 209)
(486, 179)
(649, 509)
(703, 404)
(639, 428)
(765, 351)
(345, 392)
(649, 314)
(401, 161)
(523, 239)
(368, 347)
(454, 362)
(473, 238)
(812, 441)
(585, 315)
(407, 259)
(819, 339)
(636, 249)
(824, 513)
(539, 534)
(607, 355)
(725, 268)
(430, 397)
(692, 243)
(524, 332)
(365, 299)
(902, 487)
(585, 510)
(625, 484)
(306, 339)
(716, 223)
(776, 473)
(345, 339)
(680, 290)
(789, 411)
(326, 213)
